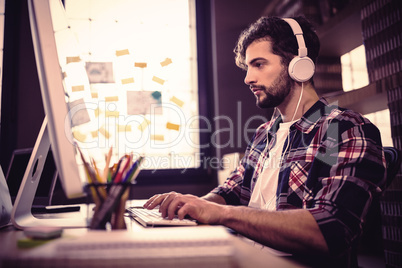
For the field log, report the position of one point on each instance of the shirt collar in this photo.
(306, 123)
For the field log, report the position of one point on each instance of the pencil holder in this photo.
(110, 204)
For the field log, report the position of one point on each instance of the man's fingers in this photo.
(165, 204)
(183, 211)
(175, 204)
(172, 204)
(154, 201)
(149, 202)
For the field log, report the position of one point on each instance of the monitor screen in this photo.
(48, 54)
(47, 20)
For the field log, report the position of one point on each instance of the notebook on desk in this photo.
(153, 218)
(202, 246)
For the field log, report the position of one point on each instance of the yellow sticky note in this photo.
(97, 112)
(111, 98)
(94, 95)
(73, 59)
(158, 80)
(104, 132)
(94, 134)
(144, 124)
(112, 113)
(127, 80)
(122, 52)
(77, 88)
(177, 101)
(123, 128)
(166, 62)
(140, 64)
(172, 126)
(26, 242)
(79, 136)
(157, 137)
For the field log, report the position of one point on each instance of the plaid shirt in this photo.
(333, 167)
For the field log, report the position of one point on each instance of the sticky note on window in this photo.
(127, 80)
(177, 101)
(97, 112)
(73, 59)
(124, 128)
(94, 95)
(112, 113)
(104, 132)
(122, 52)
(79, 136)
(172, 126)
(144, 124)
(157, 137)
(94, 134)
(166, 62)
(78, 88)
(158, 80)
(111, 98)
(140, 64)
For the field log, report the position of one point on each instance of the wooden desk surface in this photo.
(244, 254)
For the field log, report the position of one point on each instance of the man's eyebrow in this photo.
(256, 59)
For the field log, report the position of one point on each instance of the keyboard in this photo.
(153, 218)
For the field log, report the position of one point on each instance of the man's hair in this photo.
(279, 32)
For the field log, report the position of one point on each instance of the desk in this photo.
(242, 253)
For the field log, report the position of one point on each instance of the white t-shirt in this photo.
(264, 193)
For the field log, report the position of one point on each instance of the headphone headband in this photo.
(301, 67)
(297, 31)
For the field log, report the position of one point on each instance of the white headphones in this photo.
(301, 68)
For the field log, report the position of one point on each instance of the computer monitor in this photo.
(56, 128)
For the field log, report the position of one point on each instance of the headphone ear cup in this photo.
(301, 69)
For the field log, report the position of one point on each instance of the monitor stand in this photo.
(21, 215)
(54, 208)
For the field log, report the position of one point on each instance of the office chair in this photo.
(393, 159)
(371, 241)
(389, 203)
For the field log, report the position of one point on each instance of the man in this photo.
(308, 176)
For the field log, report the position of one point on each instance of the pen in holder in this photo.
(110, 191)
(110, 206)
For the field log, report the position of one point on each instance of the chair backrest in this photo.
(371, 241)
(393, 159)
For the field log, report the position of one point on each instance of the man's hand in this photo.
(292, 230)
(172, 204)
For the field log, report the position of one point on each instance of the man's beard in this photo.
(277, 92)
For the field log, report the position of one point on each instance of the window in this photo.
(141, 88)
(381, 119)
(354, 76)
(354, 69)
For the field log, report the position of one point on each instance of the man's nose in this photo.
(248, 79)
